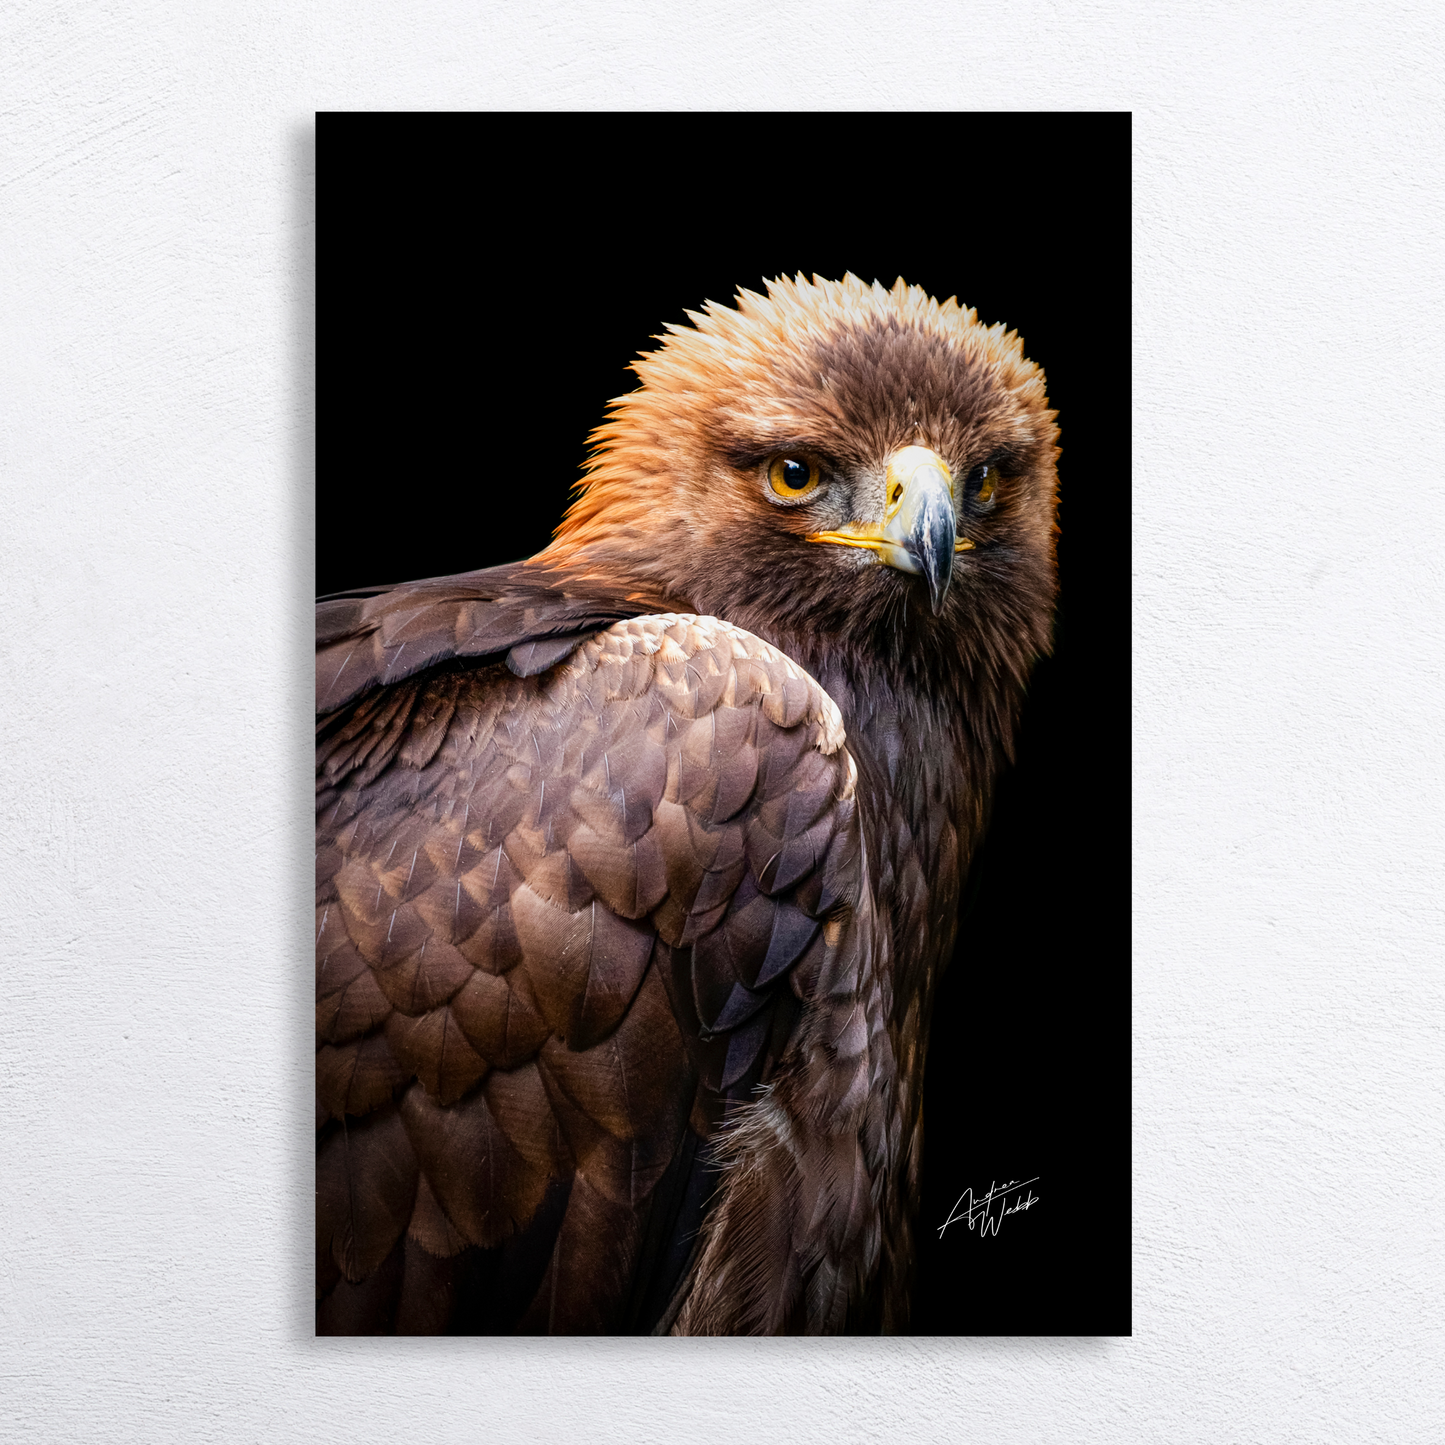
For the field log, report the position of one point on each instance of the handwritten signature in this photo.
(988, 1211)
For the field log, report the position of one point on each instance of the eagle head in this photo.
(832, 462)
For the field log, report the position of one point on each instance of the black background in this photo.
(483, 282)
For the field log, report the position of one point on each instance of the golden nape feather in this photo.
(638, 861)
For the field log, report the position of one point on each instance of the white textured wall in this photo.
(156, 427)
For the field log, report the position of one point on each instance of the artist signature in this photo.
(988, 1211)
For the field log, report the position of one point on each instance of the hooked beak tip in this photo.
(937, 594)
(933, 544)
(938, 569)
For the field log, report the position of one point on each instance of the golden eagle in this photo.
(637, 861)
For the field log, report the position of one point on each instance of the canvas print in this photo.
(721, 718)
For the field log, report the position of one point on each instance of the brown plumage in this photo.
(637, 861)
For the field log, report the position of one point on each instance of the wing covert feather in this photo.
(567, 922)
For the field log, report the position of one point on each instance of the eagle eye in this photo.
(792, 477)
(980, 483)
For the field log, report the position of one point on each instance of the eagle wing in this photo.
(374, 636)
(601, 1031)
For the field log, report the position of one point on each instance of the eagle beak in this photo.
(918, 533)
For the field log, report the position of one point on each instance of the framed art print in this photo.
(723, 918)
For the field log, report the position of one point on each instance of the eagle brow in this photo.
(745, 455)
(1008, 459)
